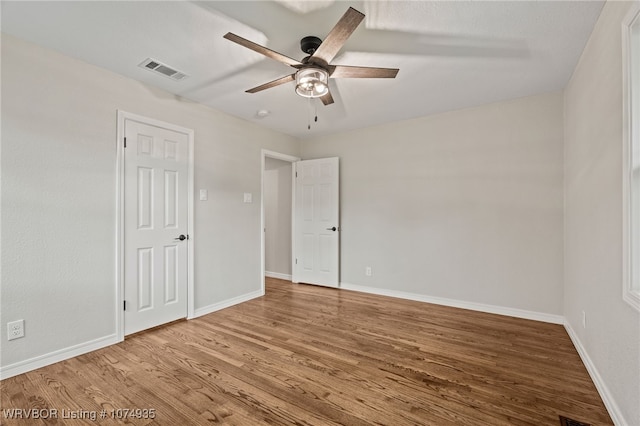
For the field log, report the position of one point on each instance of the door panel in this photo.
(145, 278)
(145, 187)
(171, 199)
(156, 209)
(171, 274)
(317, 224)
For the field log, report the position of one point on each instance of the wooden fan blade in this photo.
(337, 37)
(274, 83)
(262, 50)
(327, 99)
(343, 71)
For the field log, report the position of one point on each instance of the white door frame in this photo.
(291, 159)
(119, 293)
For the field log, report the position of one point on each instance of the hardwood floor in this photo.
(307, 355)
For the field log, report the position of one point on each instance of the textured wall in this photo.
(593, 215)
(465, 205)
(58, 197)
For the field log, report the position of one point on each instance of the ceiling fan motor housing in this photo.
(310, 44)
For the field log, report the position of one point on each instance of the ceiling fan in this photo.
(313, 72)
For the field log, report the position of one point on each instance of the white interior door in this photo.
(317, 222)
(156, 164)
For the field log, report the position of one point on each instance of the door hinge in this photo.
(125, 142)
(296, 174)
(296, 260)
(124, 305)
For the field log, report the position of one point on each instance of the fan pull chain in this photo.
(313, 111)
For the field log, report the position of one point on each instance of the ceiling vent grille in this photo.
(160, 68)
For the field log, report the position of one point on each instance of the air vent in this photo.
(160, 68)
(565, 421)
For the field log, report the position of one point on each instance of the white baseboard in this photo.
(603, 390)
(56, 356)
(277, 275)
(227, 303)
(83, 348)
(492, 309)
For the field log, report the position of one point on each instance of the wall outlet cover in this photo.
(15, 329)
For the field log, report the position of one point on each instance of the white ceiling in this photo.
(451, 54)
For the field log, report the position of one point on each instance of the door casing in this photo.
(122, 116)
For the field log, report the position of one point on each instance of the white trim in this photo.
(603, 390)
(277, 275)
(191, 220)
(630, 126)
(284, 157)
(40, 361)
(481, 307)
(119, 273)
(122, 116)
(227, 303)
(294, 260)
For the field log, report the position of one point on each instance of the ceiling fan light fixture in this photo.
(312, 82)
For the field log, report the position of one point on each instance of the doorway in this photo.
(155, 223)
(311, 219)
(277, 210)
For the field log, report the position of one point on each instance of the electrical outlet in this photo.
(584, 319)
(367, 271)
(15, 329)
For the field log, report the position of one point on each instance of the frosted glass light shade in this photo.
(312, 82)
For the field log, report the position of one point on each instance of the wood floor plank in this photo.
(308, 355)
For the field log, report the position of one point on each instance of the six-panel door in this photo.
(155, 265)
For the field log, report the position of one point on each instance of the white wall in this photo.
(465, 205)
(277, 216)
(58, 198)
(593, 217)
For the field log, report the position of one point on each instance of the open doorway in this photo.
(277, 210)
